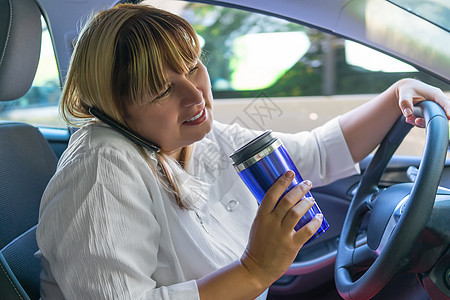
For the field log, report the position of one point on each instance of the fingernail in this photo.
(407, 111)
(307, 182)
(289, 175)
(319, 216)
(421, 123)
(310, 199)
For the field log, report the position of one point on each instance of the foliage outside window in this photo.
(319, 63)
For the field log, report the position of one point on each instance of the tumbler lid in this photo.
(254, 150)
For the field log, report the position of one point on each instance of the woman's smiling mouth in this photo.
(197, 119)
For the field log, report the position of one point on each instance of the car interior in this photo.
(29, 155)
(28, 161)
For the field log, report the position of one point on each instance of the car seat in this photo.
(27, 161)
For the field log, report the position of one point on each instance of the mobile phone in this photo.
(128, 133)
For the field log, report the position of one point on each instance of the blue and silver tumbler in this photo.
(261, 162)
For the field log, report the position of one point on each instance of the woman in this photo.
(135, 211)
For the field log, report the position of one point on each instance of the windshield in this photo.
(434, 11)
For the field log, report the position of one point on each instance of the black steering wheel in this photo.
(398, 214)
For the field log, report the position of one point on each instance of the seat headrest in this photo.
(20, 46)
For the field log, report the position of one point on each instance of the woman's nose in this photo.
(190, 94)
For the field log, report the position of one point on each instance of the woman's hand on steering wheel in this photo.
(411, 91)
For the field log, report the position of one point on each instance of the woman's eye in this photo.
(163, 94)
(192, 71)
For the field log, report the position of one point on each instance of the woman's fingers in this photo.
(288, 202)
(413, 91)
(273, 244)
(296, 213)
(307, 231)
(416, 121)
(291, 207)
(274, 193)
(437, 95)
(406, 104)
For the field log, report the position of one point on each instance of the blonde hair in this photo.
(120, 58)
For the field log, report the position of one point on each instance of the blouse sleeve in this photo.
(321, 155)
(99, 233)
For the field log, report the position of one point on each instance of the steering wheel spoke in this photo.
(363, 256)
(367, 203)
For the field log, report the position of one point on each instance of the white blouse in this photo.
(107, 230)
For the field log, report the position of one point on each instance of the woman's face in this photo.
(179, 116)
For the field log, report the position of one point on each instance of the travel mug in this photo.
(261, 162)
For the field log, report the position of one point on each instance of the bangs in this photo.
(147, 45)
(177, 49)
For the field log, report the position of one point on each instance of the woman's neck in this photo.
(181, 155)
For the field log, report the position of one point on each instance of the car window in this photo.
(270, 73)
(435, 11)
(39, 106)
(247, 53)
